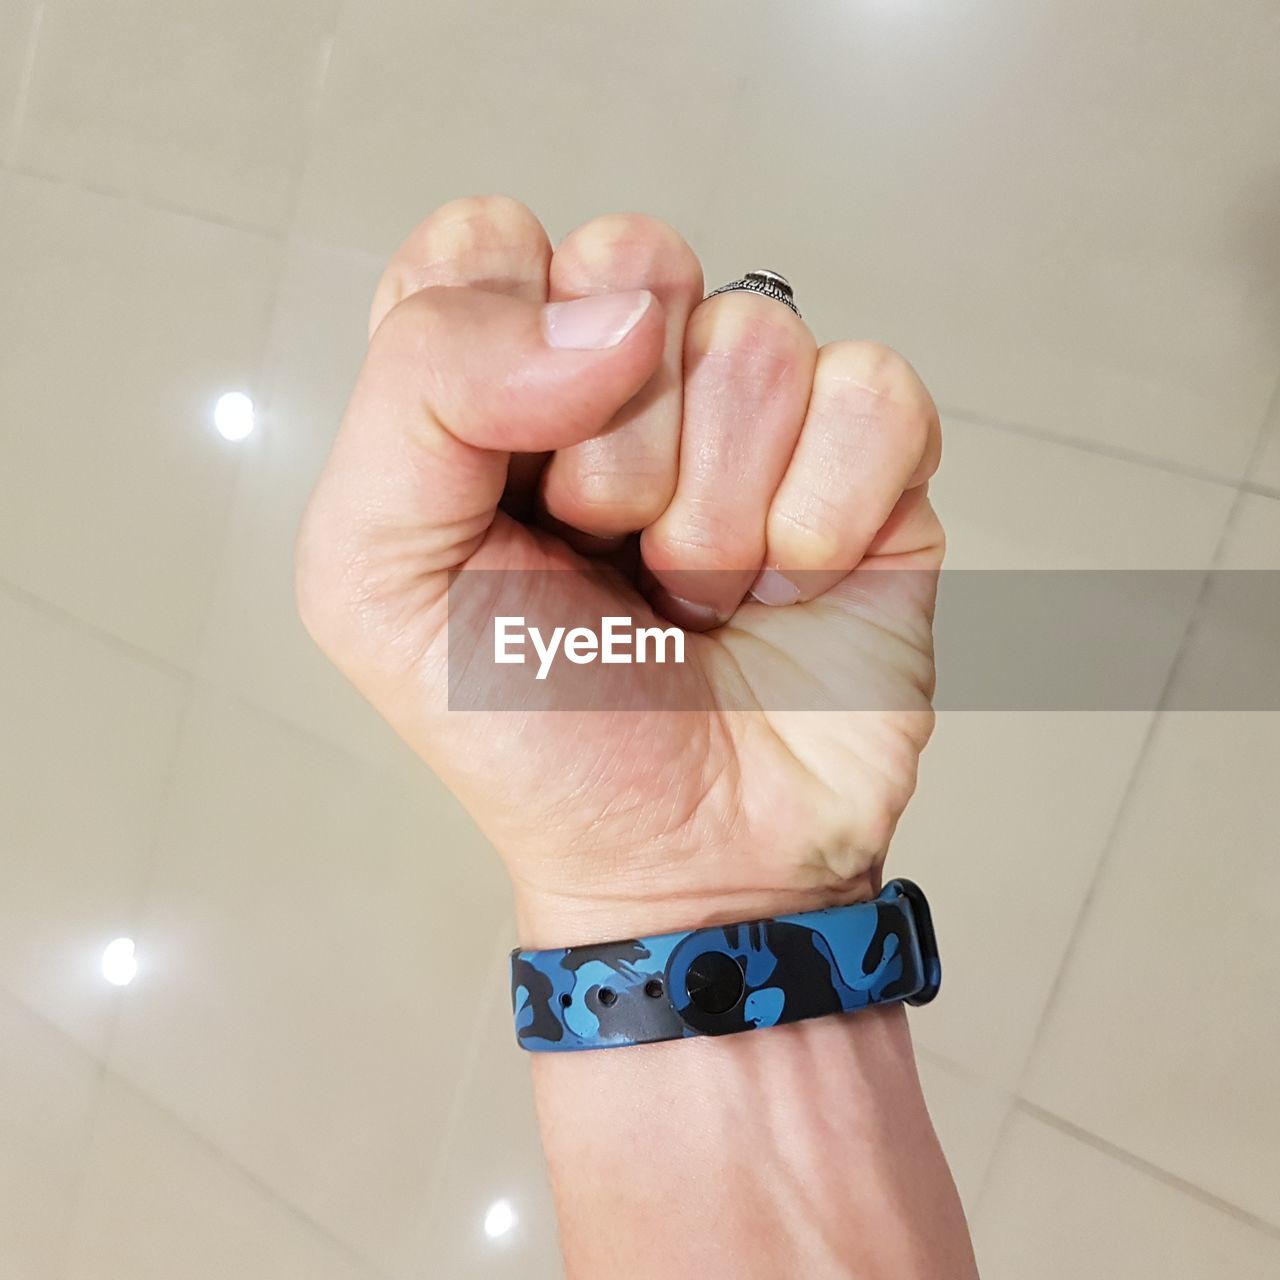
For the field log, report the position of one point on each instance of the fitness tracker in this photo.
(727, 978)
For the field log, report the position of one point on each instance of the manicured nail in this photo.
(591, 324)
(771, 587)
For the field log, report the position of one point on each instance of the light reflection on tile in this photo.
(1064, 214)
(254, 644)
(87, 733)
(115, 487)
(318, 933)
(491, 1153)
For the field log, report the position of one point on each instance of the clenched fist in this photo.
(682, 461)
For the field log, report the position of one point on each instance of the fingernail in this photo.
(771, 587)
(686, 613)
(696, 615)
(591, 324)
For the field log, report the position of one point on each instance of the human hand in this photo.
(489, 432)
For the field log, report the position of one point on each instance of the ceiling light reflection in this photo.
(119, 964)
(233, 415)
(500, 1219)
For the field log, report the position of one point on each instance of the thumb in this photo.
(454, 381)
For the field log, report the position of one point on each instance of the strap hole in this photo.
(653, 988)
(565, 1001)
(607, 996)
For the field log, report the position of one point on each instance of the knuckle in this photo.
(871, 384)
(473, 223)
(702, 535)
(856, 370)
(809, 536)
(604, 501)
(633, 246)
(750, 339)
(491, 242)
(487, 241)
(870, 365)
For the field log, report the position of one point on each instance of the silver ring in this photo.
(768, 283)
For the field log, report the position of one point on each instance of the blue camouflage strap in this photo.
(727, 978)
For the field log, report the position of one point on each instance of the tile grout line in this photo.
(65, 618)
(25, 79)
(191, 683)
(1116, 453)
(101, 1059)
(284, 235)
(962, 1072)
(104, 1075)
(287, 232)
(292, 1210)
(1141, 1165)
(973, 1080)
(314, 108)
(194, 683)
(266, 371)
(90, 1137)
(466, 1069)
(1125, 806)
(262, 376)
(182, 675)
(106, 1072)
(136, 915)
(154, 204)
(150, 868)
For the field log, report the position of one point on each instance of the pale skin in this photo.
(488, 430)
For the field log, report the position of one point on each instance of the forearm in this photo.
(799, 1151)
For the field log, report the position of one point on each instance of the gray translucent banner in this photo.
(1041, 640)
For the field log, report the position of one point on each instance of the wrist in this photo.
(548, 919)
(751, 1147)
